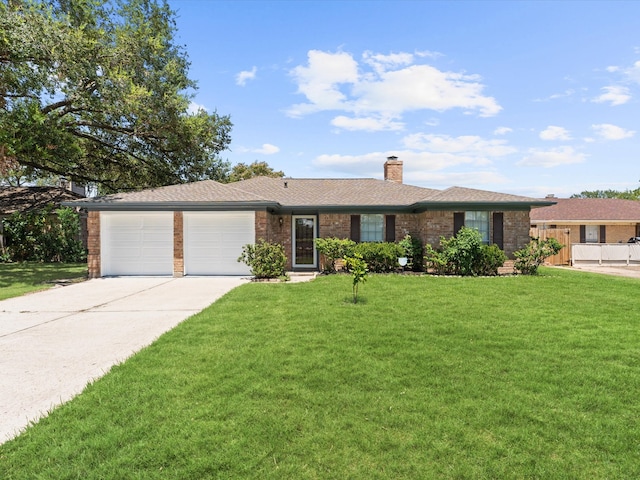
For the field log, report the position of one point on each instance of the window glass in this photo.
(479, 221)
(591, 233)
(371, 227)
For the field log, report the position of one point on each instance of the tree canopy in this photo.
(624, 194)
(97, 91)
(242, 171)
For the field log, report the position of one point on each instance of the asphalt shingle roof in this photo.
(588, 209)
(306, 192)
(23, 199)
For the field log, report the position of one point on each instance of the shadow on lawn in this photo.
(35, 274)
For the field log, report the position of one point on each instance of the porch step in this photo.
(506, 268)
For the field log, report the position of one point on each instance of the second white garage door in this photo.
(213, 242)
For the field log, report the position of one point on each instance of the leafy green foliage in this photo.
(381, 257)
(529, 258)
(46, 235)
(358, 268)
(332, 249)
(414, 251)
(464, 254)
(242, 171)
(266, 259)
(491, 259)
(98, 91)
(624, 194)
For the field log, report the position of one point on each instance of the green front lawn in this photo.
(426, 377)
(19, 278)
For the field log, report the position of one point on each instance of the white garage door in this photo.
(136, 243)
(213, 242)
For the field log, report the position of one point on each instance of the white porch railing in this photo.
(605, 254)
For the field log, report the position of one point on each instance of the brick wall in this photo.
(516, 231)
(178, 244)
(93, 244)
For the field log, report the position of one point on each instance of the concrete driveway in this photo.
(53, 343)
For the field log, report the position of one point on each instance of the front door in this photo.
(304, 233)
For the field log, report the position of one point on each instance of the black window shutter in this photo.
(603, 234)
(390, 230)
(458, 222)
(583, 234)
(498, 229)
(355, 228)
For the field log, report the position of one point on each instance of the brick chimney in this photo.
(393, 169)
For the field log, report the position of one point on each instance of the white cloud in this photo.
(266, 149)
(502, 130)
(381, 63)
(554, 157)
(565, 94)
(553, 132)
(468, 145)
(633, 72)
(426, 168)
(383, 87)
(243, 77)
(612, 69)
(369, 124)
(612, 132)
(195, 108)
(615, 95)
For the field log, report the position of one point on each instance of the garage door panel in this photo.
(137, 243)
(213, 242)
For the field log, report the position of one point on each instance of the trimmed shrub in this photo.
(266, 260)
(491, 259)
(381, 257)
(333, 249)
(529, 258)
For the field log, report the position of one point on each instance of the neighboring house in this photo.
(590, 220)
(200, 228)
(27, 199)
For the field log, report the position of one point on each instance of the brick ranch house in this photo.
(590, 220)
(200, 228)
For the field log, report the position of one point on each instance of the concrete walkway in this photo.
(632, 271)
(53, 343)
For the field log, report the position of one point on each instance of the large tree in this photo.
(242, 171)
(97, 90)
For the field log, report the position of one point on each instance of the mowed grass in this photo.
(19, 278)
(512, 377)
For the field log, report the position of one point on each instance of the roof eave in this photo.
(480, 205)
(287, 209)
(164, 206)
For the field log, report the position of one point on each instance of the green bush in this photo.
(266, 260)
(462, 251)
(464, 254)
(47, 235)
(529, 258)
(333, 249)
(491, 259)
(414, 251)
(381, 257)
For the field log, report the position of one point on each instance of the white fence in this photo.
(605, 254)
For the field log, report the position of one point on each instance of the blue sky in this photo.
(530, 98)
